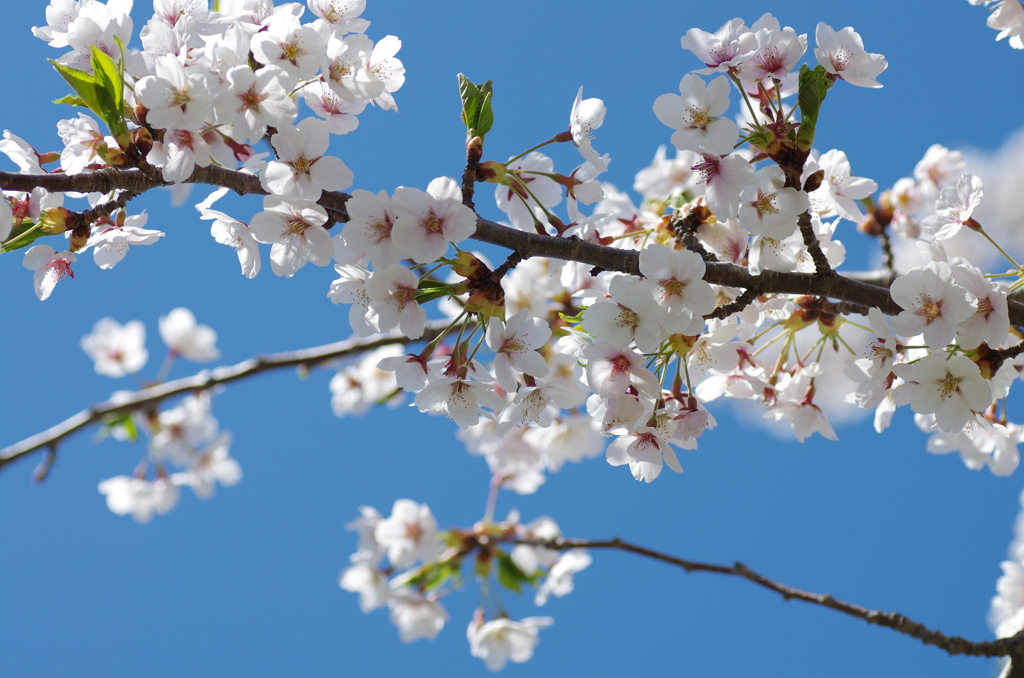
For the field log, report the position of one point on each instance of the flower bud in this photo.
(53, 220)
(79, 238)
(813, 182)
(491, 171)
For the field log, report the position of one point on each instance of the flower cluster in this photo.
(432, 561)
(185, 436)
(205, 88)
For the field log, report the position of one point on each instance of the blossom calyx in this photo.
(55, 220)
(491, 171)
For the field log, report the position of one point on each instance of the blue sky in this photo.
(247, 583)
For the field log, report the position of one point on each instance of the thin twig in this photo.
(954, 645)
(203, 381)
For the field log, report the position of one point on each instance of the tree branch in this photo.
(832, 285)
(954, 645)
(203, 381)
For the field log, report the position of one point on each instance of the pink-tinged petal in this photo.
(332, 173)
(617, 453)
(321, 247)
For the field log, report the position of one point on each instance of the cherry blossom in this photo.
(186, 338)
(253, 101)
(175, 99)
(950, 387)
(213, 465)
(695, 113)
(392, 297)
(302, 170)
(458, 398)
(116, 349)
(139, 497)
(842, 54)
(368, 230)
(409, 534)
(586, 116)
(767, 208)
(955, 208)
(933, 304)
(500, 640)
(674, 289)
(292, 46)
(723, 50)
(724, 178)
(426, 222)
(296, 230)
(50, 268)
(110, 241)
(237, 235)
(514, 343)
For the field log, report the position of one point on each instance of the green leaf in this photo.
(123, 421)
(470, 95)
(72, 100)
(422, 296)
(477, 114)
(428, 284)
(22, 237)
(573, 319)
(84, 84)
(814, 85)
(485, 120)
(110, 83)
(509, 575)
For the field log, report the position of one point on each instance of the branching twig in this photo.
(954, 645)
(832, 285)
(203, 381)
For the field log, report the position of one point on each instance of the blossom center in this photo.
(985, 308)
(432, 224)
(929, 309)
(381, 231)
(697, 119)
(251, 100)
(291, 51)
(673, 287)
(948, 386)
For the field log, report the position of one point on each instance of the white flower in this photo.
(499, 640)
(350, 288)
(139, 497)
(292, 46)
(954, 208)
(416, 616)
(409, 534)
(50, 268)
(116, 350)
(515, 345)
(674, 289)
(184, 337)
(559, 580)
(722, 50)
(84, 144)
(586, 116)
(237, 235)
(111, 241)
(839, 191)
(842, 54)
(341, 15)
(932, 304)
(392, 295)
(296, 229)
(252, 101)
(369, 582)
(724, 179)
(178, 154)
(460, 399)
(340, 115)
(950, 387)
(175, 99)
(611, 369)
(766, 208)
(213, 465)
(426, 222)
(695, 113)
(345, 68)
(387, 69)
(301, 169)
(990, 323)
(615, 320)
(643, 450)
(777, 51)
(368, 230)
